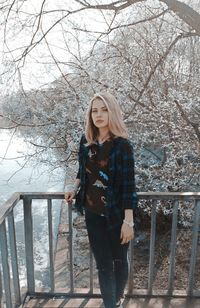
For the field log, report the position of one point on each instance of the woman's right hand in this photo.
(69, 196)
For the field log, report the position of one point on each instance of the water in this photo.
(16, 175)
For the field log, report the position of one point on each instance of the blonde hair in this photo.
(116, 124)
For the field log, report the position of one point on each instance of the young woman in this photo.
(106, 191)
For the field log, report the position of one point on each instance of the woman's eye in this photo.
(102, 110)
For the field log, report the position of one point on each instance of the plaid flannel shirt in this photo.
(121, 190)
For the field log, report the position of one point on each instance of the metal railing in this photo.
(10, 292)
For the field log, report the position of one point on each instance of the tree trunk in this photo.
(186, 13)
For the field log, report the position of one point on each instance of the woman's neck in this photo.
(104, 134)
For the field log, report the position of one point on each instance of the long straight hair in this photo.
(116, 124)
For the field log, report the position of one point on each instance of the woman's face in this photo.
(99, 113)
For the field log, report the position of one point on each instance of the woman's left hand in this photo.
(127, 234)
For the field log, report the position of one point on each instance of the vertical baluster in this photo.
(172, 249)
(130, 277)
(71, 255)
(13, 252)
(194, 248)
(1, 291)
(5, 264)
(28, 232)
(91, 272)
(50, 232)
(152, 247)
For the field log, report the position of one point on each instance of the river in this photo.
(15, 176)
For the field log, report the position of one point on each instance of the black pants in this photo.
(110, 256)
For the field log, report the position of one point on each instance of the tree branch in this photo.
(115, 6)
(195, 126)
(124, 26)
(160, 61)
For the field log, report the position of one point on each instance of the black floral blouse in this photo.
(97, 173)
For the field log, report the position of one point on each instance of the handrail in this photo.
(142, 195)
(8, 206)
(6, 215)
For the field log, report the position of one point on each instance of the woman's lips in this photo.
(99, 121)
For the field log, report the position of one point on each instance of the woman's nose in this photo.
(99, 113)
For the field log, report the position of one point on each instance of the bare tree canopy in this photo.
(184, 11)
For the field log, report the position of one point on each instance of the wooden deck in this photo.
(128, 303)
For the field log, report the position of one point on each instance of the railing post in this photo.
(173, 249)
(152, 247)
(71, 249)
(1, 291)
(28, 232)
(194, 248)
(131, 271)
(13, 252)
(50, 229)
(5, 265)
